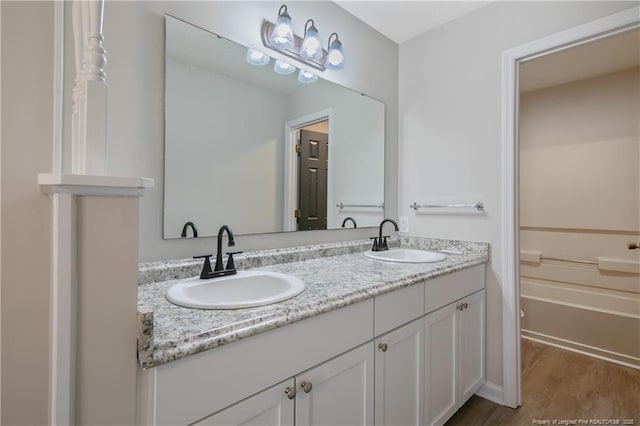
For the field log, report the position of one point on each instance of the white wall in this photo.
(27, 101)
(134, 40)
(584, 136)
(226, 146)
(580, 199)
(356, 153)
(450, 125)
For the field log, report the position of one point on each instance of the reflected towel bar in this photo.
(375, 206)
(478, 206)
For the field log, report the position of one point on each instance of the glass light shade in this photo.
(283, 68)
(311, 45)
(307, 77)
(335, 56)
(257, 58)
(282, 33)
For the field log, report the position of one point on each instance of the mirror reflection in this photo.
(261, 151)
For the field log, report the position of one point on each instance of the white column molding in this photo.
(614, 24)
(64, 191)
(63, 329)
(89, 115)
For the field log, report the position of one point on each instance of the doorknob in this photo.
(633, 246)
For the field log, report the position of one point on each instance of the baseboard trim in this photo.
(492, 392)
(614, 357)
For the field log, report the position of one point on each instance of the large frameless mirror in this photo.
(261, 151)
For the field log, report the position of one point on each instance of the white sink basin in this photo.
(403, 255)
(246, 289)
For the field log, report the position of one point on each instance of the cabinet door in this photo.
(441, 365)
(471, 354)
(399, 373)
(339, 391)
(271, 407)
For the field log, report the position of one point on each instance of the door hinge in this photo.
(298, 149)
(296, 213)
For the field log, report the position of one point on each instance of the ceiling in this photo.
(404, 20)
(600, 57)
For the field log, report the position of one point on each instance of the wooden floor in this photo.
(562, 385)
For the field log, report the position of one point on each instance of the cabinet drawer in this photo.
(398, 307)
(443, 290)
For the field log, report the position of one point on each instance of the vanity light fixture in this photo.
(257, 58)
(281, 35)
(307, 77)
(307, 50)
(335, 57)
(282, 67)
(311, 46)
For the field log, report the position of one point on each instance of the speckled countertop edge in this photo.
(336, 275)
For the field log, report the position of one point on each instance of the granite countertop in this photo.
(335, 275)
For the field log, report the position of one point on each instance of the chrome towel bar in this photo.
(478, 206)
(375, 206)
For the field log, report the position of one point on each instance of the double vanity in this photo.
(367, 341)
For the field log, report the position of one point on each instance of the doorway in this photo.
(614, 24)
(579, 186)
(313, 151)
(307, 172)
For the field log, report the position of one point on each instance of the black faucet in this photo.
(193, 228)
(219, 269)
(344, 222)
(380, 242)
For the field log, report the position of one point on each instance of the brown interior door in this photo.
(312, 183)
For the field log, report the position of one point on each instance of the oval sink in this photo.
(245, 289)
(403, 255)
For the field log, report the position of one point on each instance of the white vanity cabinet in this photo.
(411, 356)
(454, 341)
(336, 392)
(273, 406)
(400, 376)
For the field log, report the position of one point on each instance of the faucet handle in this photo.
(230, 264)
(206, 268)
(375, 243)
(383, 244)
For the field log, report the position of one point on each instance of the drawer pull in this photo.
(306, 386)
(290, 392)
(383, 347)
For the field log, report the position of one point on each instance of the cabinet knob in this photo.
(306, 386)
(459, 306)
(382, 346)
(465, 305)
(290, 392)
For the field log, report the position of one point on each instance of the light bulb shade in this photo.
(307, 77)
(311, 45)
(283, 68)
(335, 55)
(282, 34)
(257, 58)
